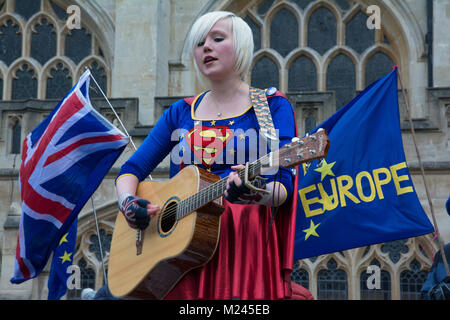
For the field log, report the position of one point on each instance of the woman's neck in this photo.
(224, 89)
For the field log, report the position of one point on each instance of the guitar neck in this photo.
(216, 190)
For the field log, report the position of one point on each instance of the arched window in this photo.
(411, 281)
(300, 275)
(332, 283)
(59, 81)
(15, 134)
(24, 83)
(35, 34)
(280, 40)
(302, 75)
(265, 73)
(322, 30)
(10, 40)
(320, 45)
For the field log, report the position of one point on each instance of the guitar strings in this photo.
(207, 194)
(191, 203)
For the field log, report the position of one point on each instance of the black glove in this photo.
(245, 195)
(135, 210)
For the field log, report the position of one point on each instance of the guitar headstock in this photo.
(309, 148)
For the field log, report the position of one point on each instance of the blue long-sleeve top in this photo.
(212, 144)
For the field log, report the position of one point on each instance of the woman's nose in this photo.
(207, 45)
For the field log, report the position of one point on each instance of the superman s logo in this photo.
(207, 143)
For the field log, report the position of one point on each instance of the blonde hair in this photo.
(242, 40)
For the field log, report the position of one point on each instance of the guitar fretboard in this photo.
(217, 189)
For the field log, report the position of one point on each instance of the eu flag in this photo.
(362, 193)
(62, 260)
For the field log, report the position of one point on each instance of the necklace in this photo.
(219, 114)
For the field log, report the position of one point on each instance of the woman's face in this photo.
(214, 55)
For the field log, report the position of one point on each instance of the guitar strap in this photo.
(262, 111)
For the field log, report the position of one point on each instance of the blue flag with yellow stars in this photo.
(62, 260)
(362, 192)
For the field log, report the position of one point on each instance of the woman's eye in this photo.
(218, 39)
(200, 43)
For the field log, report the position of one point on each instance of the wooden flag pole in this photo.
(441, 246)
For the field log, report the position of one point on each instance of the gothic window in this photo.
(24, 84)
(381, 293)
(378, 65)
(265, 73)
(27, 8)
(10, 41)
(332, 283)
(78, 44)
(341, 78)
(43, 58)
(59, 81)
(300, 275)
(302, 75)
(15, 135)
(43, 36)
(357, 35)
(320, 46)
(322, 30)
(310, 122)
(99, 73)
(411, 281)
(281, 40)
(105, 241)
(256, 30)
(265, 6)
(395, 249)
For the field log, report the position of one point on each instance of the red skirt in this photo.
(246, 264)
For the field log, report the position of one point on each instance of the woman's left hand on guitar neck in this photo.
(238, 192)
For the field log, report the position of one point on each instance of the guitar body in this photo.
(170, 247)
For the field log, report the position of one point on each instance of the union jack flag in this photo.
(64, 160)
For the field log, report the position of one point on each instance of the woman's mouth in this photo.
(208, 60)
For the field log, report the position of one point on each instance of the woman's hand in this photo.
(136, 210)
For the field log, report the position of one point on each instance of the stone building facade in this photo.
(320, 53)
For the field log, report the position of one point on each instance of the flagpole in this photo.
(99, 242)
(139, 231)
(441, 246)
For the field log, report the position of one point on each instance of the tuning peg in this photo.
(295, 139)
(320, 129)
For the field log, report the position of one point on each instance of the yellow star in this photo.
(325, 169)
(65, 257)
(64, 239)
(242, 136)
(213, 122)
(231, 122)
(311, 230)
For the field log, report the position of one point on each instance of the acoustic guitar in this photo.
(184, 234)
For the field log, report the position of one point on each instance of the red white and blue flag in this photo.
(64, 160)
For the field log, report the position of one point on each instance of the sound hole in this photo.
(169, 216)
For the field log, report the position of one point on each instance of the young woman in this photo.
(214, 131)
